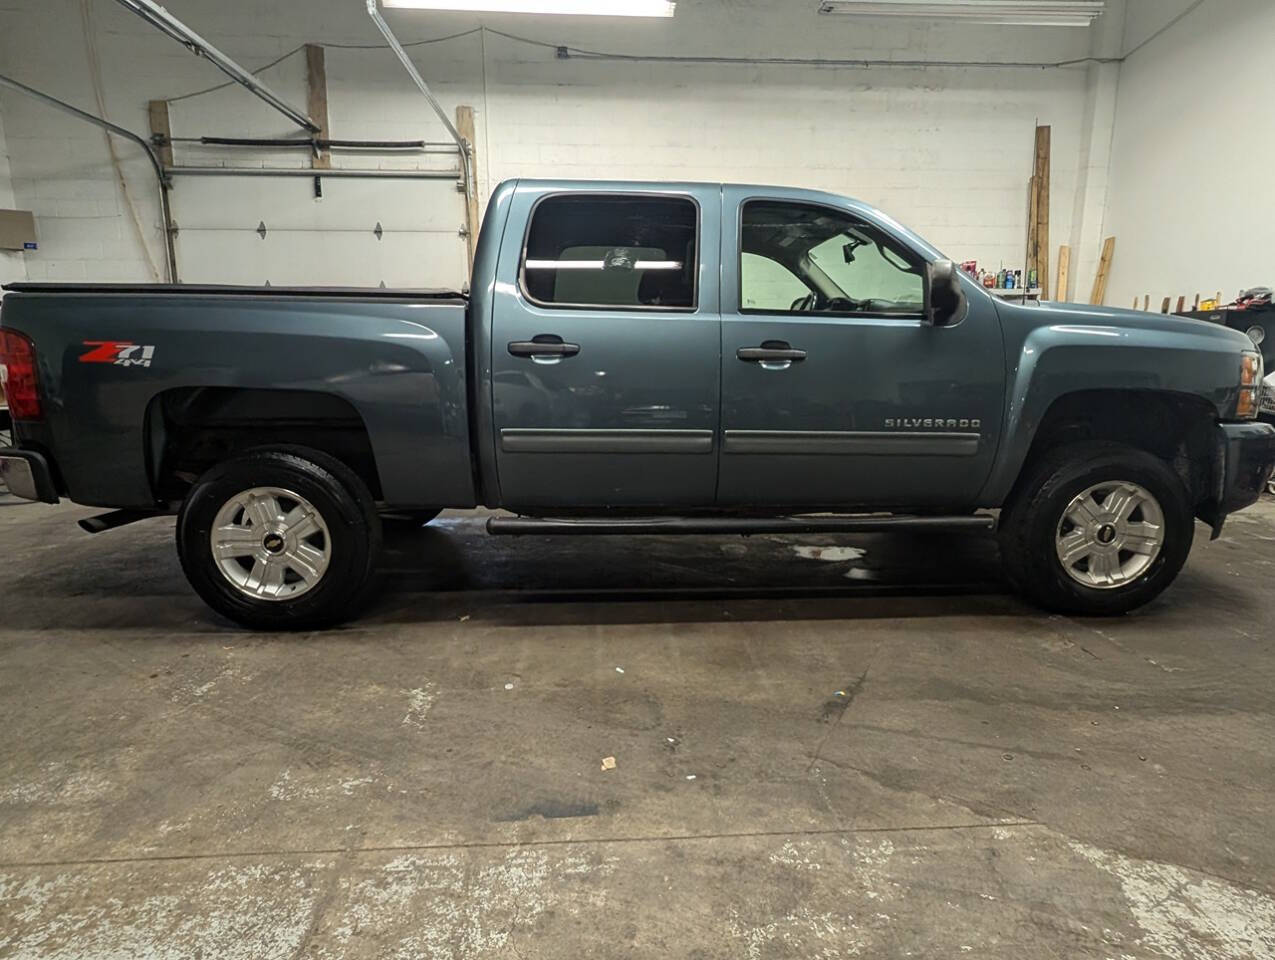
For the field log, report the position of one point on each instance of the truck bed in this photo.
(389, 365)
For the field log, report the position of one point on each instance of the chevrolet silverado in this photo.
(636, 358)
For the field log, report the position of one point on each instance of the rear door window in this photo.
(629, 252)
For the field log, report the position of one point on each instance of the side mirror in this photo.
(944, 298)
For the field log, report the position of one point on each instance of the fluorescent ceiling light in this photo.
(1029, 13)
(597, 8)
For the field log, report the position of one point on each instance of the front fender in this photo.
(1059, 359)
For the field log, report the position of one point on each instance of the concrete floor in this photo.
(870, 750)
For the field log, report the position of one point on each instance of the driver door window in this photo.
(798, 258)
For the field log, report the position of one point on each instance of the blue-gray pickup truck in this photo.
(637, 358)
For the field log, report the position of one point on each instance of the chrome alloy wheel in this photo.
(1110, 534)
(271, 544)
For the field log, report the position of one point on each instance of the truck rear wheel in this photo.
(1097, 528)
(282, 539)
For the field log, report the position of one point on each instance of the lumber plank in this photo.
(1064, 274)
(465, 126)
(1043, 137)
(317, 102)
(1099, 294)
(157, 110)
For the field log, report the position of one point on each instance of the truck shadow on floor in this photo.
(538, 580)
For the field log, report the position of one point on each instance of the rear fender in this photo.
(399, 364)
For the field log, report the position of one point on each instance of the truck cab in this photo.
(689, 341)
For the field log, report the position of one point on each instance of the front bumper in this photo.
(27, 475)
(1244, 461)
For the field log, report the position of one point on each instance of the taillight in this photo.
(17, 374)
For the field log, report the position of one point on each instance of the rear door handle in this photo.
(771, 350)
(543, 345)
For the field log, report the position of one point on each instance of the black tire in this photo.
(342, 500)
(1030, 523)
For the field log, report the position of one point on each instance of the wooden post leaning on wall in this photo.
(317, 101)
(1040, 255)
(1064, 273)
(1104, 271)
(160, 127)
(465, 125)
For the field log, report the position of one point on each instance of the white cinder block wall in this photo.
(12, 265)
(945, 150)
(1191, 169)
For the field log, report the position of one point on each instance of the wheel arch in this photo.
(190, 429)
(1178, 428)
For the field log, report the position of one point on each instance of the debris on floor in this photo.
(829, 554)
(608, 763)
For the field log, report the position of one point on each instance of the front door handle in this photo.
(771, 350)
(543, 345)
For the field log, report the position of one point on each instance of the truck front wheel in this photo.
(1096, 528)
(280, 539)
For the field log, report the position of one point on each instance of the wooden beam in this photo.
(158, 110)
(1064, 273)
(1181, 304)
(465, 125)
(1042, 209)
(1197, 302)
(1146, 302)
(1104, 271)
(317, 101)
(1164, 307)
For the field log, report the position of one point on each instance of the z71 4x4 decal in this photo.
(122, 353)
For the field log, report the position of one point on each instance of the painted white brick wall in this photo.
(1191, 187)
(12, 265)
(947, 151)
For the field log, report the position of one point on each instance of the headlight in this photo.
(1250, 386)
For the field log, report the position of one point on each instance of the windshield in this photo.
(874, 268)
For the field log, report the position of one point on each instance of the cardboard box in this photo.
(17, 230)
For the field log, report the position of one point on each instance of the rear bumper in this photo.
(1244, 462)
(27, 475)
